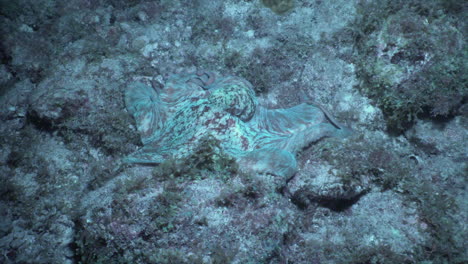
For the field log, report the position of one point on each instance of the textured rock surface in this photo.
(375, 197)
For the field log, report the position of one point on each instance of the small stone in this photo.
(142, 16)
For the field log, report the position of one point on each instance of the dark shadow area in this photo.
(305, 198)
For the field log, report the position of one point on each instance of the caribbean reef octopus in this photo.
(173, 120)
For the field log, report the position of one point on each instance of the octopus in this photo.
(172, 121)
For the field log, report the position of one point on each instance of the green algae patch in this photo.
(280, 7)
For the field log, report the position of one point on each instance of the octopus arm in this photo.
(293, 128)
(144, 104)
(183, 86)
(287, 121)
(146, 155)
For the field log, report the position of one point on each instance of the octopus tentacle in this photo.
(144, 104)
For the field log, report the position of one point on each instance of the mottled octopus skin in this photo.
(173, 120)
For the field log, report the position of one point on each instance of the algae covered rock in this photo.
(412, 62)
(279, 6)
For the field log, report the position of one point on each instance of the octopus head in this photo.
(236, 98)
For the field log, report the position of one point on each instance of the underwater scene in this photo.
(235, 131)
